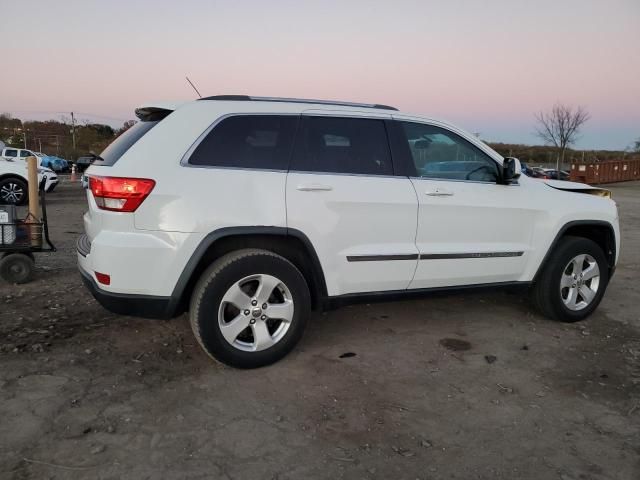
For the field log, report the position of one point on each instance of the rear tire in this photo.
(17, 268)
(250, 308)
(573, 280)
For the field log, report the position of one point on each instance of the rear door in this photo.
(342, 193)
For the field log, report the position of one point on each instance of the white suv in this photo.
(13, 180)
(249, 212)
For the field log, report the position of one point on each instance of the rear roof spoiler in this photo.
(155, 111)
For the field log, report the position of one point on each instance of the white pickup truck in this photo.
(13, 176)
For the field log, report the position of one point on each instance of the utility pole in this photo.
(24, 130)
(40, 145)
(73, 133)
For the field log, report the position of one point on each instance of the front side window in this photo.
(342, 145)
(442, 154)
(248, 141)
(26, 153)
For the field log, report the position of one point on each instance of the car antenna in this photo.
(193, 86)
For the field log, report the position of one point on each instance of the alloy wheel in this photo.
(580, 282)
(11, 193)
(256, 312)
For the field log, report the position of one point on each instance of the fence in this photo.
(606, 172)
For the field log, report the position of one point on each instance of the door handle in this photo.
(314, 187)
(438, 192)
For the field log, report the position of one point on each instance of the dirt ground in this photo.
(86, 394)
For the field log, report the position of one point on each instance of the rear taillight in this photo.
(119, 194)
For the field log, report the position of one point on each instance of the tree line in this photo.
(55, 137)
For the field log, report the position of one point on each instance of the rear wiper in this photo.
(96, 157)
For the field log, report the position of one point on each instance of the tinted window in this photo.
(248, 141)
(124, 142)
(342, 145)
(10, 153)
(439, 153)
(26, 153)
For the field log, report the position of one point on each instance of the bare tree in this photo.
(560, 127)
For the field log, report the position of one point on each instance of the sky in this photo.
(487, 66)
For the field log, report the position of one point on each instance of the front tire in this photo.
(13, 191)
(573, 280)
(250, 308)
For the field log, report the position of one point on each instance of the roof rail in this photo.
(248, 98)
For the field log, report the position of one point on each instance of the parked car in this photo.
(538, 172)
(17, 154)
(84, 162)
(556, 174)
(13, 181)
(249, 212)
(21, 154)
(54, 163)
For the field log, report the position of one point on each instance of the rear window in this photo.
(124, 142)
(248, 141)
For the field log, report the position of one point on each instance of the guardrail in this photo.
(606, 172)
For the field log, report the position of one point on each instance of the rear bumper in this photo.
(124, 304)
(138, 305)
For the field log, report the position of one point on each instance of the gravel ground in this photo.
(468, 386)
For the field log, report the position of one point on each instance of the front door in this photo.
(341, 192)
(471, 229)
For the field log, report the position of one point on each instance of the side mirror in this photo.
(511, 170)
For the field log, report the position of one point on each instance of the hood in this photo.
(578, 188)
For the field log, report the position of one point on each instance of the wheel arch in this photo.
(290, 243)
(600, 231)
(5, 176)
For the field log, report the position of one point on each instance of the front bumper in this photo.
(51, 183)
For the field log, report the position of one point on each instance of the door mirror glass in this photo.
(511, 170)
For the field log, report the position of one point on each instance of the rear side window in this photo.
(248, 141)
(342, 145)
(10, 153)
(124, 142)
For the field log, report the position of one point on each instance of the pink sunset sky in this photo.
(487, 66)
